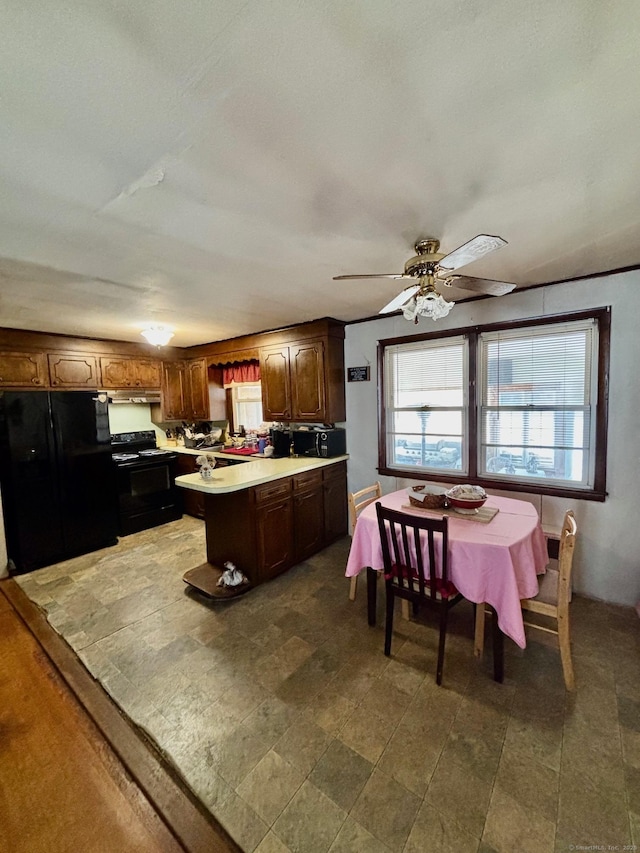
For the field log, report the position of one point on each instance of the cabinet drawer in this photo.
(307, 480)
(273, 491)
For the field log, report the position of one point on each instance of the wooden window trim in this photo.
(597, 493)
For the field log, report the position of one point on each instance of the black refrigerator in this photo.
(57, 476)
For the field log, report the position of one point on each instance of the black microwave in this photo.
(320, 442)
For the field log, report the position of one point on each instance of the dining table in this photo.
(494, 561)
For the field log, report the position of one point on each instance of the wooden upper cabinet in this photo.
(197, 390)
(23, 369)
(147, 373)
(304, 381)
(307, 370)
(185, 392)
(173, 384)
(69, 370)
(276, 384)
(120, 372)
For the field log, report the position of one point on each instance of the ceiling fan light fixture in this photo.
(430, 267)
(430, 305)
(159, 336)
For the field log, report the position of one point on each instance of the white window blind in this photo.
(247, 406)
(426, 405)
(537, 403)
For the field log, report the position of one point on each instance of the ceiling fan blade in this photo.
(373, 275)
(471, 251)
(482, 285)
(400, 299)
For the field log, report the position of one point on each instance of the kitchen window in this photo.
(241, 381)
(520, 406)
(426, 405)
(247, 406)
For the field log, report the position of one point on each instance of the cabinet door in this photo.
(276, 387)
(146, 374)
(129, 372)
(306, 367)
(197, 396)
(73, 371)
(116, 372)
(192, 501)
(274, 527)
(23, 369)
(335, 502)
(173, 385)
(308, 522)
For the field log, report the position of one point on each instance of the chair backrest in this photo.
(403, 538)
(565, 557)
(359, 500)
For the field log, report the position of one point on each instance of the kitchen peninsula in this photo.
(266, 515)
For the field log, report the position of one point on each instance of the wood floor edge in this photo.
(187, 819)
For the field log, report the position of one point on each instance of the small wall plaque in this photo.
(358, 374)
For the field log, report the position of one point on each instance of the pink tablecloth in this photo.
(496, 562)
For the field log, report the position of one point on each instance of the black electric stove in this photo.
(147, 492)
(136, 447)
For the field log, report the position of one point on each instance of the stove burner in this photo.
(123, 457)
(155, 452)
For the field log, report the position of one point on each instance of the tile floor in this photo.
(284, 716)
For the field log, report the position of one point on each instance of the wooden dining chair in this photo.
(552, 600)
(413, 571)
(357, 502)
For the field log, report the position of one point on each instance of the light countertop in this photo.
(235, 478)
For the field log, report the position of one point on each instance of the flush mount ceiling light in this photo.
(159, 336)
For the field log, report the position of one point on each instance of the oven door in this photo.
(147, 494)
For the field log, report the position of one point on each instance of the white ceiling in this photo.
(211, 164)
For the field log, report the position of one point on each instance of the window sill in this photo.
(535, 488)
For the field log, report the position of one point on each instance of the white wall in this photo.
(133, 417)
(607, 558)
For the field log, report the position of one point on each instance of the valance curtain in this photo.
(243, 373)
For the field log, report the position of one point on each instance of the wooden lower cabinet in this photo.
(308, 514)
(335, 502)
(192, 502)
(266, 529)
(274, 537)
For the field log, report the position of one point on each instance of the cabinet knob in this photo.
(34, 379)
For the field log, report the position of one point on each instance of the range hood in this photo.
(133, 395)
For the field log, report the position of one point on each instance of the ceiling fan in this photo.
(430, 267)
